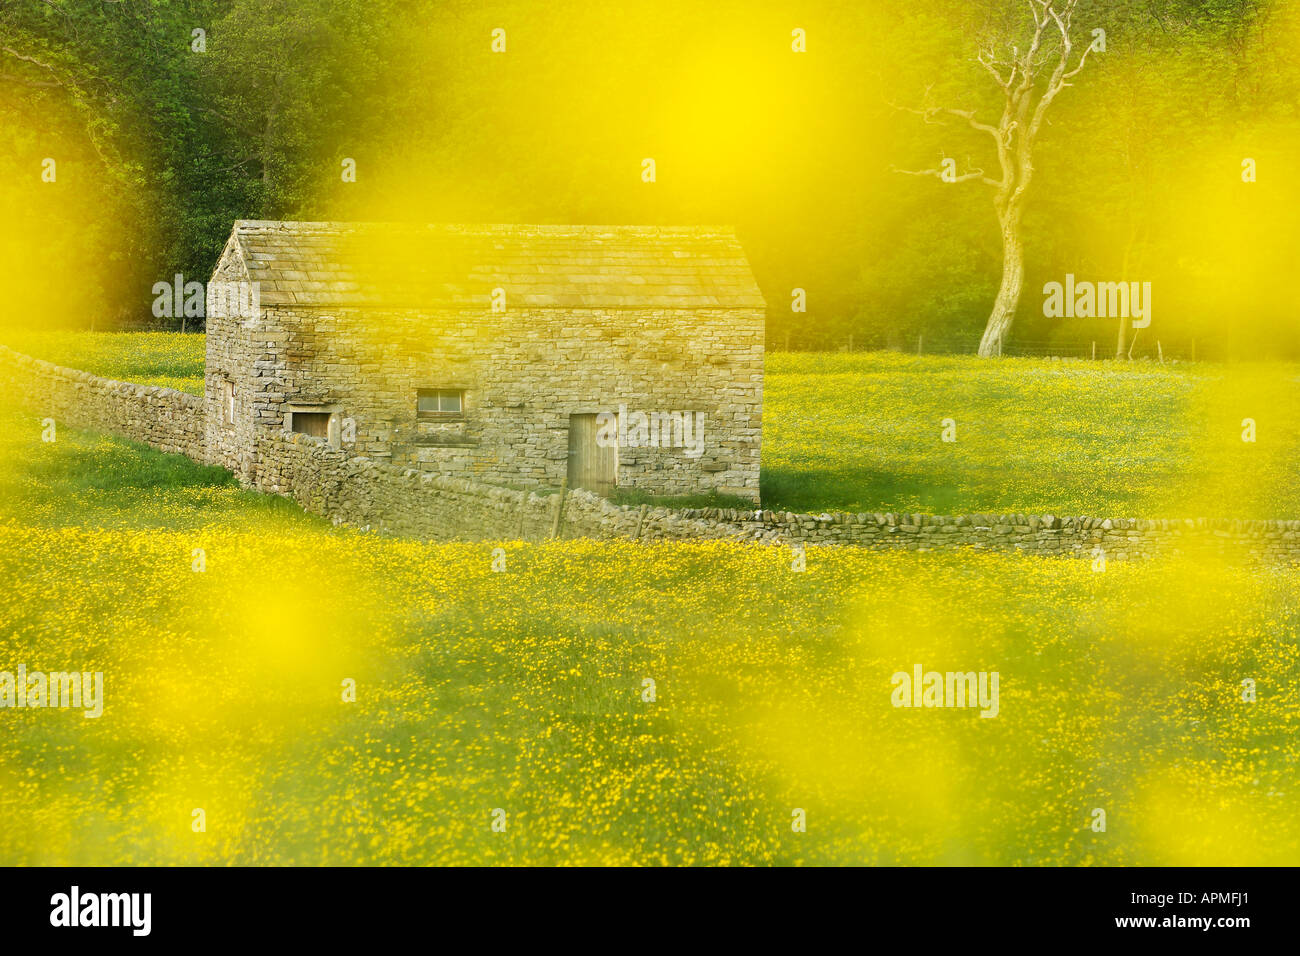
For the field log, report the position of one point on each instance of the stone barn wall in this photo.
(230, 361)
(523, 373)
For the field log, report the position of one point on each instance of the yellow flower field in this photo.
(149, 358)
(523, 691)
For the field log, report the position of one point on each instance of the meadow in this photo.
(168, 359)
(864, 431)
(524, 691)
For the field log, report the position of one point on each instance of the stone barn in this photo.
(613, 356)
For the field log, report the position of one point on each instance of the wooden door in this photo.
(590, 466)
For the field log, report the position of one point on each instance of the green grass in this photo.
(99, 481)
(864, 432)
(168, 359)
(87, 462)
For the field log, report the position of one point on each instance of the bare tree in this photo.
(1028, 89)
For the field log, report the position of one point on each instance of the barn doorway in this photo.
(591, 466)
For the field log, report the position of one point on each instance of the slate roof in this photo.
(398, 265)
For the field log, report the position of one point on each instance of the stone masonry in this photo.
(527, 325)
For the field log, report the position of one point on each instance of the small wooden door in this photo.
(590, 466)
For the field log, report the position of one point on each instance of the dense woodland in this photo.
(167, 120)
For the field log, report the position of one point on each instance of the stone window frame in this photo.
(425, 415)
(308, 408)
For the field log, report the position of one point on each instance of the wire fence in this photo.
(1190, 350)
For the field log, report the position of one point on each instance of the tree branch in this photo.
(28, 59)
(991, 65)
(927, 114)
(938, 174)
(23, 81)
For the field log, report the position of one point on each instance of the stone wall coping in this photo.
(80, 378)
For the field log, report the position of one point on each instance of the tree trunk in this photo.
(1121, 343)
(1013, 278)
(266, 155)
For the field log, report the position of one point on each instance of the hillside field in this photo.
(524, 691)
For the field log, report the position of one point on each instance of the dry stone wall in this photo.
(169, 420)
(358, 491)
(364, 493)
